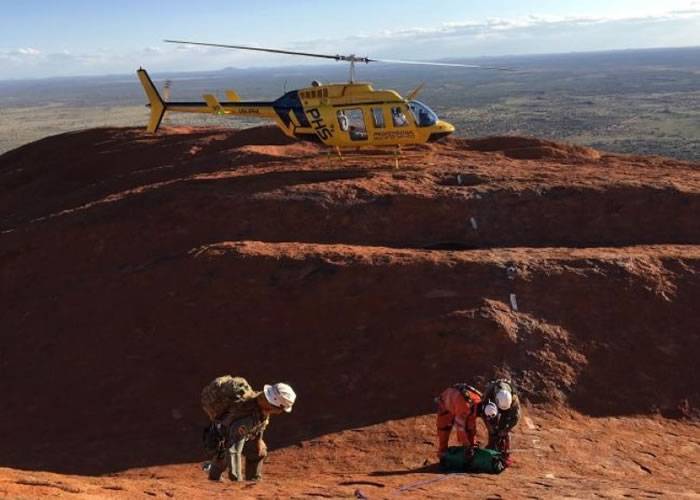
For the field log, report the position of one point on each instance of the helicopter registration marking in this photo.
(394, 134)
(322, 130)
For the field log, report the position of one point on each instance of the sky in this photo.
(49, 38)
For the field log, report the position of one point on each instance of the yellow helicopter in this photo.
(339, 115)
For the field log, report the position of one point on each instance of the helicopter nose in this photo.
(445, 126)
(441, 129)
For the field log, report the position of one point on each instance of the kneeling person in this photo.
(242, 428)
(501, 412)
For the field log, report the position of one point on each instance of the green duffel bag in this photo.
(484, 460)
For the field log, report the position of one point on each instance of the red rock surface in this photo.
(136, 268)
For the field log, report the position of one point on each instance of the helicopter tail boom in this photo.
(156, 103)
(209, 105)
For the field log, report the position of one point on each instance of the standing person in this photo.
(241, 430)
(501, 413)
(458, 406)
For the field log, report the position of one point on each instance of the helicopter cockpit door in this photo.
(398, 117)
(352, 122)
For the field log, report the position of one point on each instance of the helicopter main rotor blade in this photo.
(336, 57)
(431, 63)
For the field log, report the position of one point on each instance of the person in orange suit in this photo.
(458, 407)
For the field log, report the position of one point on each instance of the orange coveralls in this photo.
(455, 410)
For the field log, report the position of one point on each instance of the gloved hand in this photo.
(503, 444)
(261, 448)
(469, 452)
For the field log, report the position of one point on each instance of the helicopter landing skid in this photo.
(395, 155)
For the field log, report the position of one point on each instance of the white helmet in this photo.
(490, 410)
(504, 399)
(280, 395)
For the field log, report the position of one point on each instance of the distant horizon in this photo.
(80, 38)
(341, 65)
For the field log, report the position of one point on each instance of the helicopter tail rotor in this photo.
(156, 103)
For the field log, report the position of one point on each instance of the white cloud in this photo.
(532, 23)
(28, 52)
(527, 35)
(19, 52)
(153, 50)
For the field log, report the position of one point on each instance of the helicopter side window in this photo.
(398, 117)
(378, 117)
(425, 117)
(356, 123)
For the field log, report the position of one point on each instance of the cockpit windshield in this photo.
(425, 117)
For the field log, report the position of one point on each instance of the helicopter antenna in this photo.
(352, 58)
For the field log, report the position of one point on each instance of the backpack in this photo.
(471, 394)
(214, 440)
(484, 461)
(222, 393)
(496, 384)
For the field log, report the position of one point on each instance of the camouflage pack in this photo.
(224, 392)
